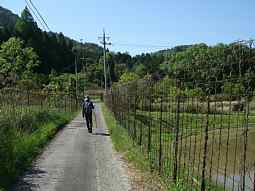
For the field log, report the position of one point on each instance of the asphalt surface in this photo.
(78, 161)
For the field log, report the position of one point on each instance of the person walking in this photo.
(87, 109)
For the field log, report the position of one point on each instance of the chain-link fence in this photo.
(196, 126)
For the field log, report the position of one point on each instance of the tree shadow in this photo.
(101, 134)
(25, 183)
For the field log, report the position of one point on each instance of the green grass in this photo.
(197, 120)
(132, 152)
(124, 143)
(22, 137)
(192, 126)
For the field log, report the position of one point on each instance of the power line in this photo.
(141, 45)
(29, 7)
(39, 14)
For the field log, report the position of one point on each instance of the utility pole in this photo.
(83, 58)
(76, 75)
(104, 42)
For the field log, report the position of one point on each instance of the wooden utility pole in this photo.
(83, 58)
(76, 75)
(104, 43)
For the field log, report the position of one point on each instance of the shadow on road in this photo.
(26, 184)
(101, 134)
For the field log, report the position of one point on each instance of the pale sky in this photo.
(138, 26)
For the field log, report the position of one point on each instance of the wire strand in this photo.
(43, 20)
(34, 14)
(141, 45)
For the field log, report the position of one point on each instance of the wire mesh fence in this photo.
(28, 119)
(15, 99)
(194, 126)
(20, 109)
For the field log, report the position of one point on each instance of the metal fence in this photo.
(199, 132)
(12, 100)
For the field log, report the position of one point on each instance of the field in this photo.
(210, 144)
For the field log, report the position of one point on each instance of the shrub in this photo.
(22, 134)
(231, 88)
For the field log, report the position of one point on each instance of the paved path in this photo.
(78, 161)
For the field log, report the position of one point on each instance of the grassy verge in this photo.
(224, 147)
(123, 143)
(132, 153)
(22, 137)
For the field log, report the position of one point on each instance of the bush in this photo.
(7, 158)
(22, 134)
(235, 89)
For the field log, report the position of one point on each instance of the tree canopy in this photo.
(16, 61)
(28, 53)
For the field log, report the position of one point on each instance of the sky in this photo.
(137, 26)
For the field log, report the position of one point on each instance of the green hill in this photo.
(7, 18)
(55, 50)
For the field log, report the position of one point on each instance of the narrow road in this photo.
(78, 161)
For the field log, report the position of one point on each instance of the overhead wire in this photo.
(38, 12)
(141, 45)
(34, 14)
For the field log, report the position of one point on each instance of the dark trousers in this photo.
(88, 118)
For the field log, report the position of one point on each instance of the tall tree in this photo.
(26, 25)
(16, 61)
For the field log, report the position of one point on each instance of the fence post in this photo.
(176, 139)
(128, 111)
(28, 99)
(65, 102)
(116, 105)
(245, 134)
(205, 146)
(149, 129)
(112, 100)
(41, 101)
(141, 127)
(76, 103)
(121, 110)
(135, 119)
(101, 96)
(71, 102)
(254, 177)
(135, 112)
(160, 135)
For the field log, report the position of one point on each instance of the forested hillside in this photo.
(7, 18)
(51, 53)
(32, 58)
(50, 62)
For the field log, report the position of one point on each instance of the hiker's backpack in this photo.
(88, 107)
